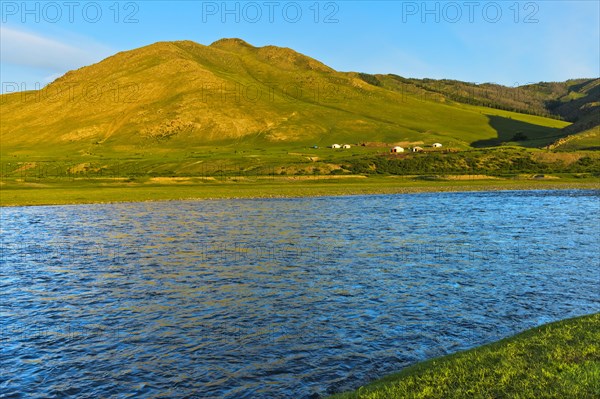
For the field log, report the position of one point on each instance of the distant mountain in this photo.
(176, 96)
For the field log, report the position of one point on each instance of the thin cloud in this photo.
(30, 50)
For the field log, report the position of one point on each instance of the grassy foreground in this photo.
(556, 360)
(15, 192)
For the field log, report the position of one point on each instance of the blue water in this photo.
(286, 298)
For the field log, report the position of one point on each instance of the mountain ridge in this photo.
(183, 94)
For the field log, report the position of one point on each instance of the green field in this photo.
(557, 360)
(15, 192)
(285, 170)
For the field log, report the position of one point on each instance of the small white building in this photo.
(397, 149)
(346, 146)
(417, 149)
(336, 146)
(436, 145)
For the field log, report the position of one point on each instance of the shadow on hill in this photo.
(520, 133)
(580, 85)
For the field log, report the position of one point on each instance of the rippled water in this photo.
(286, 298)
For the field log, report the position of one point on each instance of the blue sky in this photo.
(506, 42)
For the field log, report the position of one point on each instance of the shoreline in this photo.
(79, 192)
(559, 358)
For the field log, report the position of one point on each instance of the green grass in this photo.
(556, 360)
(586, 140)
(248, 161)
(16, 192)
(283, 171)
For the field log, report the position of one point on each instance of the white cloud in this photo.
(34, 51)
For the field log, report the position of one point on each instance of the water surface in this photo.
(285, 298)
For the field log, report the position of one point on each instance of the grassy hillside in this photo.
(586, 140)
(574, 100)
(172, 99)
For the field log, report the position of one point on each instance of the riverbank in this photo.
(32, 192)
(557, 360)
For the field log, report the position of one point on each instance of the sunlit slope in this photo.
(178, 96)
(586, 140)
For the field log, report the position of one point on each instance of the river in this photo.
(280, 298)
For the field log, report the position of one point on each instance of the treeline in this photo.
(515, 99)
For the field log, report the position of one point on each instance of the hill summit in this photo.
(229, 43)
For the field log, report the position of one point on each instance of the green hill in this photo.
(184, 97)
(576, 100)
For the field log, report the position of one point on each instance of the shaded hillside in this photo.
(580, 106)
(177, 96)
